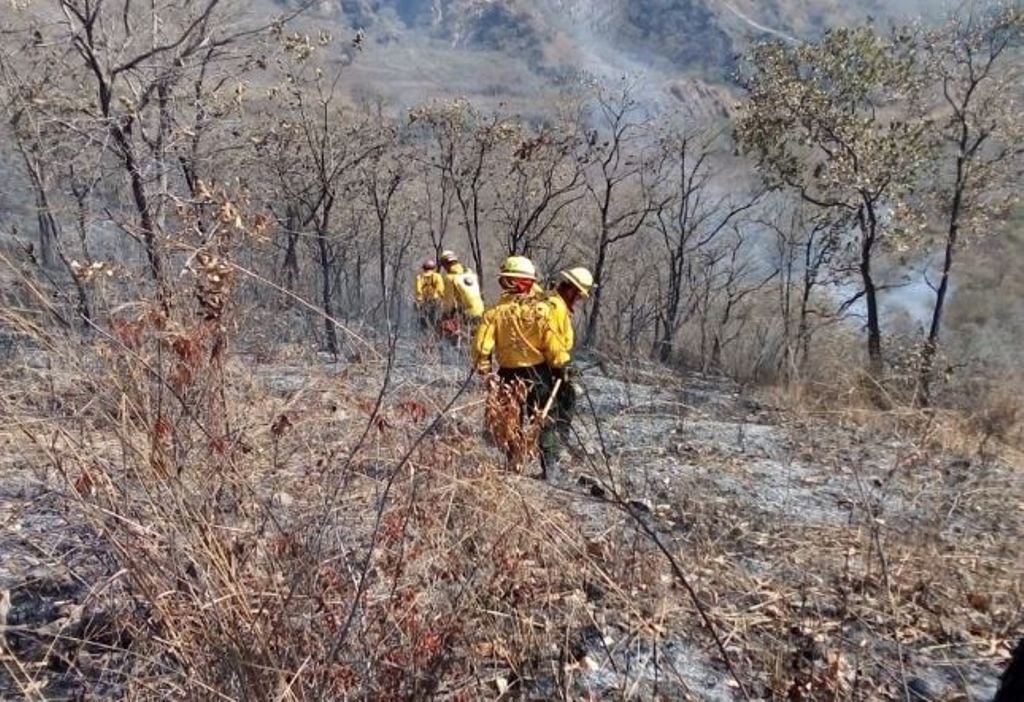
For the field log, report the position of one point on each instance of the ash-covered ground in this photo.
(847, 560)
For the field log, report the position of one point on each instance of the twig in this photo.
(677, 570)
(375, 534)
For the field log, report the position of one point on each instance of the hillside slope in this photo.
(509, 50)
(834, 559)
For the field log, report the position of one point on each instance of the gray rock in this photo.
(921, 690)
(282, 499)
(286, 382)
(641, 506)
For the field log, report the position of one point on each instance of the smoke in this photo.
(906, 298)
(913, 301)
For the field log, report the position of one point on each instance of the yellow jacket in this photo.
(519, 332)
(450, 296)
(462, 292)
(429, 286)
(563, 337)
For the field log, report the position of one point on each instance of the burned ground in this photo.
(834, 557)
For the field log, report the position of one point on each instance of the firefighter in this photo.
(462, 302)
(575, 284)
(429, 295)
(525, 333)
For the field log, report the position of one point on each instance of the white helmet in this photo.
(580, 278)
(518, 267)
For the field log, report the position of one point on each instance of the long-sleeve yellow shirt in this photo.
(522, 331)
(462, 292)
(450, 293)
(561, 331)
(429, 286)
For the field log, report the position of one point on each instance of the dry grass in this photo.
(280, 530)
(329, 543)
(323, 544)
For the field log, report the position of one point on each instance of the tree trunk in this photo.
(931, 345)
(716, 352)
(48, 222)
(869, 231)
(163, 168)
(476, 246)
(44, 218)
(382, 268)
(787, 361)
(143, 208)
(703, 343)
(82, 218)
(666, 345)
(803, 330)
(49, 234)
(359, 301)
(595, 309)
(291, 258)
(46, 233)
(330, 333)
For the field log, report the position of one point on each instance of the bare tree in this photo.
(691, 214)
(635, 303)
(128, 83)
(806, 243)
(130, 86)
(615, 181)
(436, 197)
(383, 176)
(317, 148)
(726, 274)
(463, 154)
(543, 182)
(979, 161)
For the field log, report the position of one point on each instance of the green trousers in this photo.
(540, 382)
(429, 313)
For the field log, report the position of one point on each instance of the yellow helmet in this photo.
(518, 267)
(581, 279)
(448, 256)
